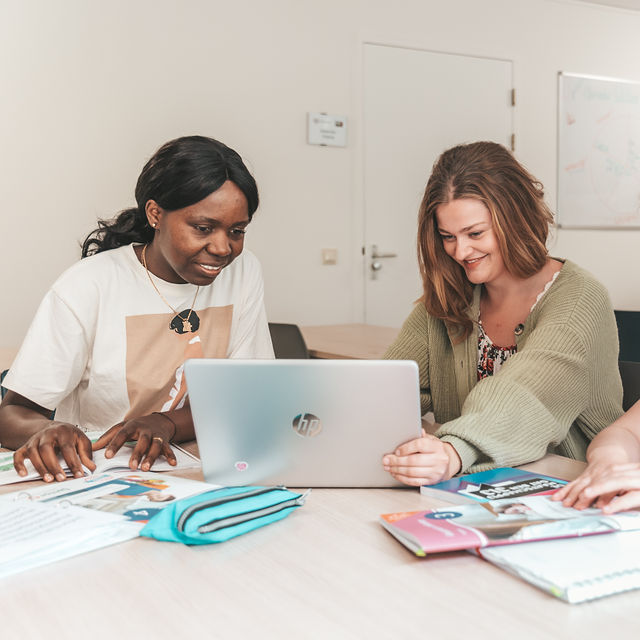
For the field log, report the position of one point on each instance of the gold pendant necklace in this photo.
(187, 327)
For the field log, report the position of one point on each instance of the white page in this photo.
(134, 494)
(8, 474)
(34, 533)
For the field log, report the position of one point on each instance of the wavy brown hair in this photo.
(487, 172)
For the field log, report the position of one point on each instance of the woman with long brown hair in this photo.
(517, 350)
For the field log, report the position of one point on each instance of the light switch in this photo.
(329, 256)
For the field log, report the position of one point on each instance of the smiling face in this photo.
(195, 243)
(466, 229)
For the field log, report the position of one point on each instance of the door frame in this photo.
(359, 253)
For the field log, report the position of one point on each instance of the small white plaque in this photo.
(327, 130)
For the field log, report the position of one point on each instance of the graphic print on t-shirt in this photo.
(178, 392)
(156, 356)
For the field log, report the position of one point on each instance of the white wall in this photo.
(89, 89)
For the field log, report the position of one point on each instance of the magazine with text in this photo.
(50, 522)
(120, 461)
(504, 482)
(135, 495)
(500, 522)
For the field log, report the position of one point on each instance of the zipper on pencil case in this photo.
(230, 521)
(214, 502)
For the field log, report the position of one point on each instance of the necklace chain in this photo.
(186, 325)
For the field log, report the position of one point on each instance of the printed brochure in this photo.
(8, 474)
(504, 482)
(499, 522)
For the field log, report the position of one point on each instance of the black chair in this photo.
(630, 374)
(288, 342)
(629, 335)
(3, 391)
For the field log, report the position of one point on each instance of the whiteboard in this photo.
(598, 152)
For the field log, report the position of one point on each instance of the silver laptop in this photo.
(302, 423)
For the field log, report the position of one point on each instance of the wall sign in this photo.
(326, 130)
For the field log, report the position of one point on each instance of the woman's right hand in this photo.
(609, 486)
(43, 448)
(425, 460)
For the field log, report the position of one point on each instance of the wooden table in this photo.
(345, 341)
(329, 570)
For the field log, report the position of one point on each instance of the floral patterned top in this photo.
(491, 356)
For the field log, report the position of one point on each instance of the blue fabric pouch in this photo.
(221, 514)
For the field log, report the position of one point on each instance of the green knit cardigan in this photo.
(553, 396)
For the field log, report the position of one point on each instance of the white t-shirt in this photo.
(100, 349)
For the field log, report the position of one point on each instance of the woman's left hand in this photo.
(425, 460)
(152, 433)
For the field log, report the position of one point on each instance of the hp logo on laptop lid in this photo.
(307, 425)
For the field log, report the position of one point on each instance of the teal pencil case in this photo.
(221, 514)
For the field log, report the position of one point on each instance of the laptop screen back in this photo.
(302, 423)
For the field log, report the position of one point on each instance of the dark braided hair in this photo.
(181, 173)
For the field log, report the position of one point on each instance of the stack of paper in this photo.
(36, 533)
(50, 522)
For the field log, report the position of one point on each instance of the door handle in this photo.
(375, 255)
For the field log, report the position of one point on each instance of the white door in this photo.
(416, 105)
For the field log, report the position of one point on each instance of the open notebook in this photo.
(574, 569)
(184, 460)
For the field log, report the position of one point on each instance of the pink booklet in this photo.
(499, 522)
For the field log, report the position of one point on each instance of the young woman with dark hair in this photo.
(518, 351)
(163, 282)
